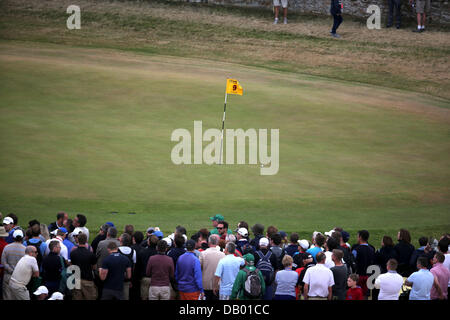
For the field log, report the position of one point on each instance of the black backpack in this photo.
(265, 266)
(252, 284)
(37, 245)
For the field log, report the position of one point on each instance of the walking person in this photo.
(336, 12)
(394, 5)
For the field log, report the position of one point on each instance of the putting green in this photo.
(88, 130)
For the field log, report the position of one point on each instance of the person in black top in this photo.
(179, 250)
(385, 253)
(397, 5)
(52, 267)
(364, 254)
(59, 223)
(336, 12)
(100, 237)
(424, 250)
(82, 257)
(404, 250)
(269, 275)
(258, 232)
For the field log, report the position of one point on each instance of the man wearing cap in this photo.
(60, 236)
(41, 293)
(11, 255)
(302, 258)
(25, 269)
(226, 272)
(100, 236)
(242, 243)
(56, 296)
(188, 274)
(264, 254)
(209, 259)
(239, 285)
(215, 221)
(10, 227)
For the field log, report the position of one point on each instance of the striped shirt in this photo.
(11, 255)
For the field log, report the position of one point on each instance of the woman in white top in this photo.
(286, 280)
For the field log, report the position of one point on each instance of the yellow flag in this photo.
(233, 87)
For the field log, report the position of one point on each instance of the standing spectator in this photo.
(3, 244)
(389, 283)
(129, 228)
(404, 250)
(443, 245)
(11, 255)
(25, 269)
(318, 242)
(354, 291)
(319, 281)
(226, 272)
(330, 245)
(292, 248)
(397, 6)
(267, 263)
(286, 281)
(222, 228)
(69, 244)
(102, 248)
(277, 250)
(82, 257)
(209, 259)
(422, 7)
(80, 222)
(385, 253)
(215, 221)
(421, 281)
(276, 5)
(423, 251)
(52, 267)
(336, 12)
(10, 227)
(258, 232)
(37, 242)
(160, 270)
(340, 275)
(179, 250)
(188, 274)
(59, 223)
(100, 237)
(348, 257)
(302, 258)
(60, 236)
(441, 278)
(114, 270)
(142, 262)
(364, 254)
(126, 250)
(135, 290)
(242, 244)
(239, 286)
(271, 231)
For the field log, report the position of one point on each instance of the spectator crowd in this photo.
(223, 263)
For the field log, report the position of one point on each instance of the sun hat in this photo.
(56, 296)
(41, 290)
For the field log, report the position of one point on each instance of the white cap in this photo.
(304, 244)
(54, 232)
(41, 290)
(243, 232)
(329, 233)
(172, 237)
(263, 242)
(8, 220)
(77, 231)
(168, 241)
(56, 296)
(315, 233)
(17, 233)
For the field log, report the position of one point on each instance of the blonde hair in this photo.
(287, 261)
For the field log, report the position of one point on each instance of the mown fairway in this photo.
(86, 128)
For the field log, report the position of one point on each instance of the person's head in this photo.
(61, 217)
(263, 243)
(54, 247)
(222, 227)
(337, 235)
(230, 238)
(104, 229)
(242, 224)
(241, 233)
(137, 237)
(79, 221)
(179, 240)
(44, 231)
(190, 245)
(276, 239)
(129, 228)
(216, 219)
(68, 224)
(112, 233)
(35, 230)
(320, 240)
(352, 280)
(271, 230)
(161, 246)
(331, 244)
(423, 241)
(422, 263)
(230, 248)
(303, 245)
(321, 257)
(438, 258)
(33, 222)
(31, 251)
(294, 238)
(258, 229)
(41, 293)
(180, 230)
(152, 241)
(249, 259)
(363, 236)
(337, 256)
(112, 247)
(443, 245)
(14, 217)
(403, 235)
(8, 223)
(82, 239)
(387, 242)
(125, 240)
(61, 232)
(287, 261)
(392, 265)
(213, 240)
(18, 235)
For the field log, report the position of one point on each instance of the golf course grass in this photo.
(88, 131)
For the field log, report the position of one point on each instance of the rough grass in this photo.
(392, 58)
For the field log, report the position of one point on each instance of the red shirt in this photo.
(354, 294)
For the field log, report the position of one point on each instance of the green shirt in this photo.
(215, 231)
(238, 286)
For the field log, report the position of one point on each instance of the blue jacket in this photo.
(188, 273)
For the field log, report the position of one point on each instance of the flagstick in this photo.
(223, 126)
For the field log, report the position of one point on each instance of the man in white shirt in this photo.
(318, 280)
(209, 259)
(60, 235)
(26, 268)
(389, 283)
